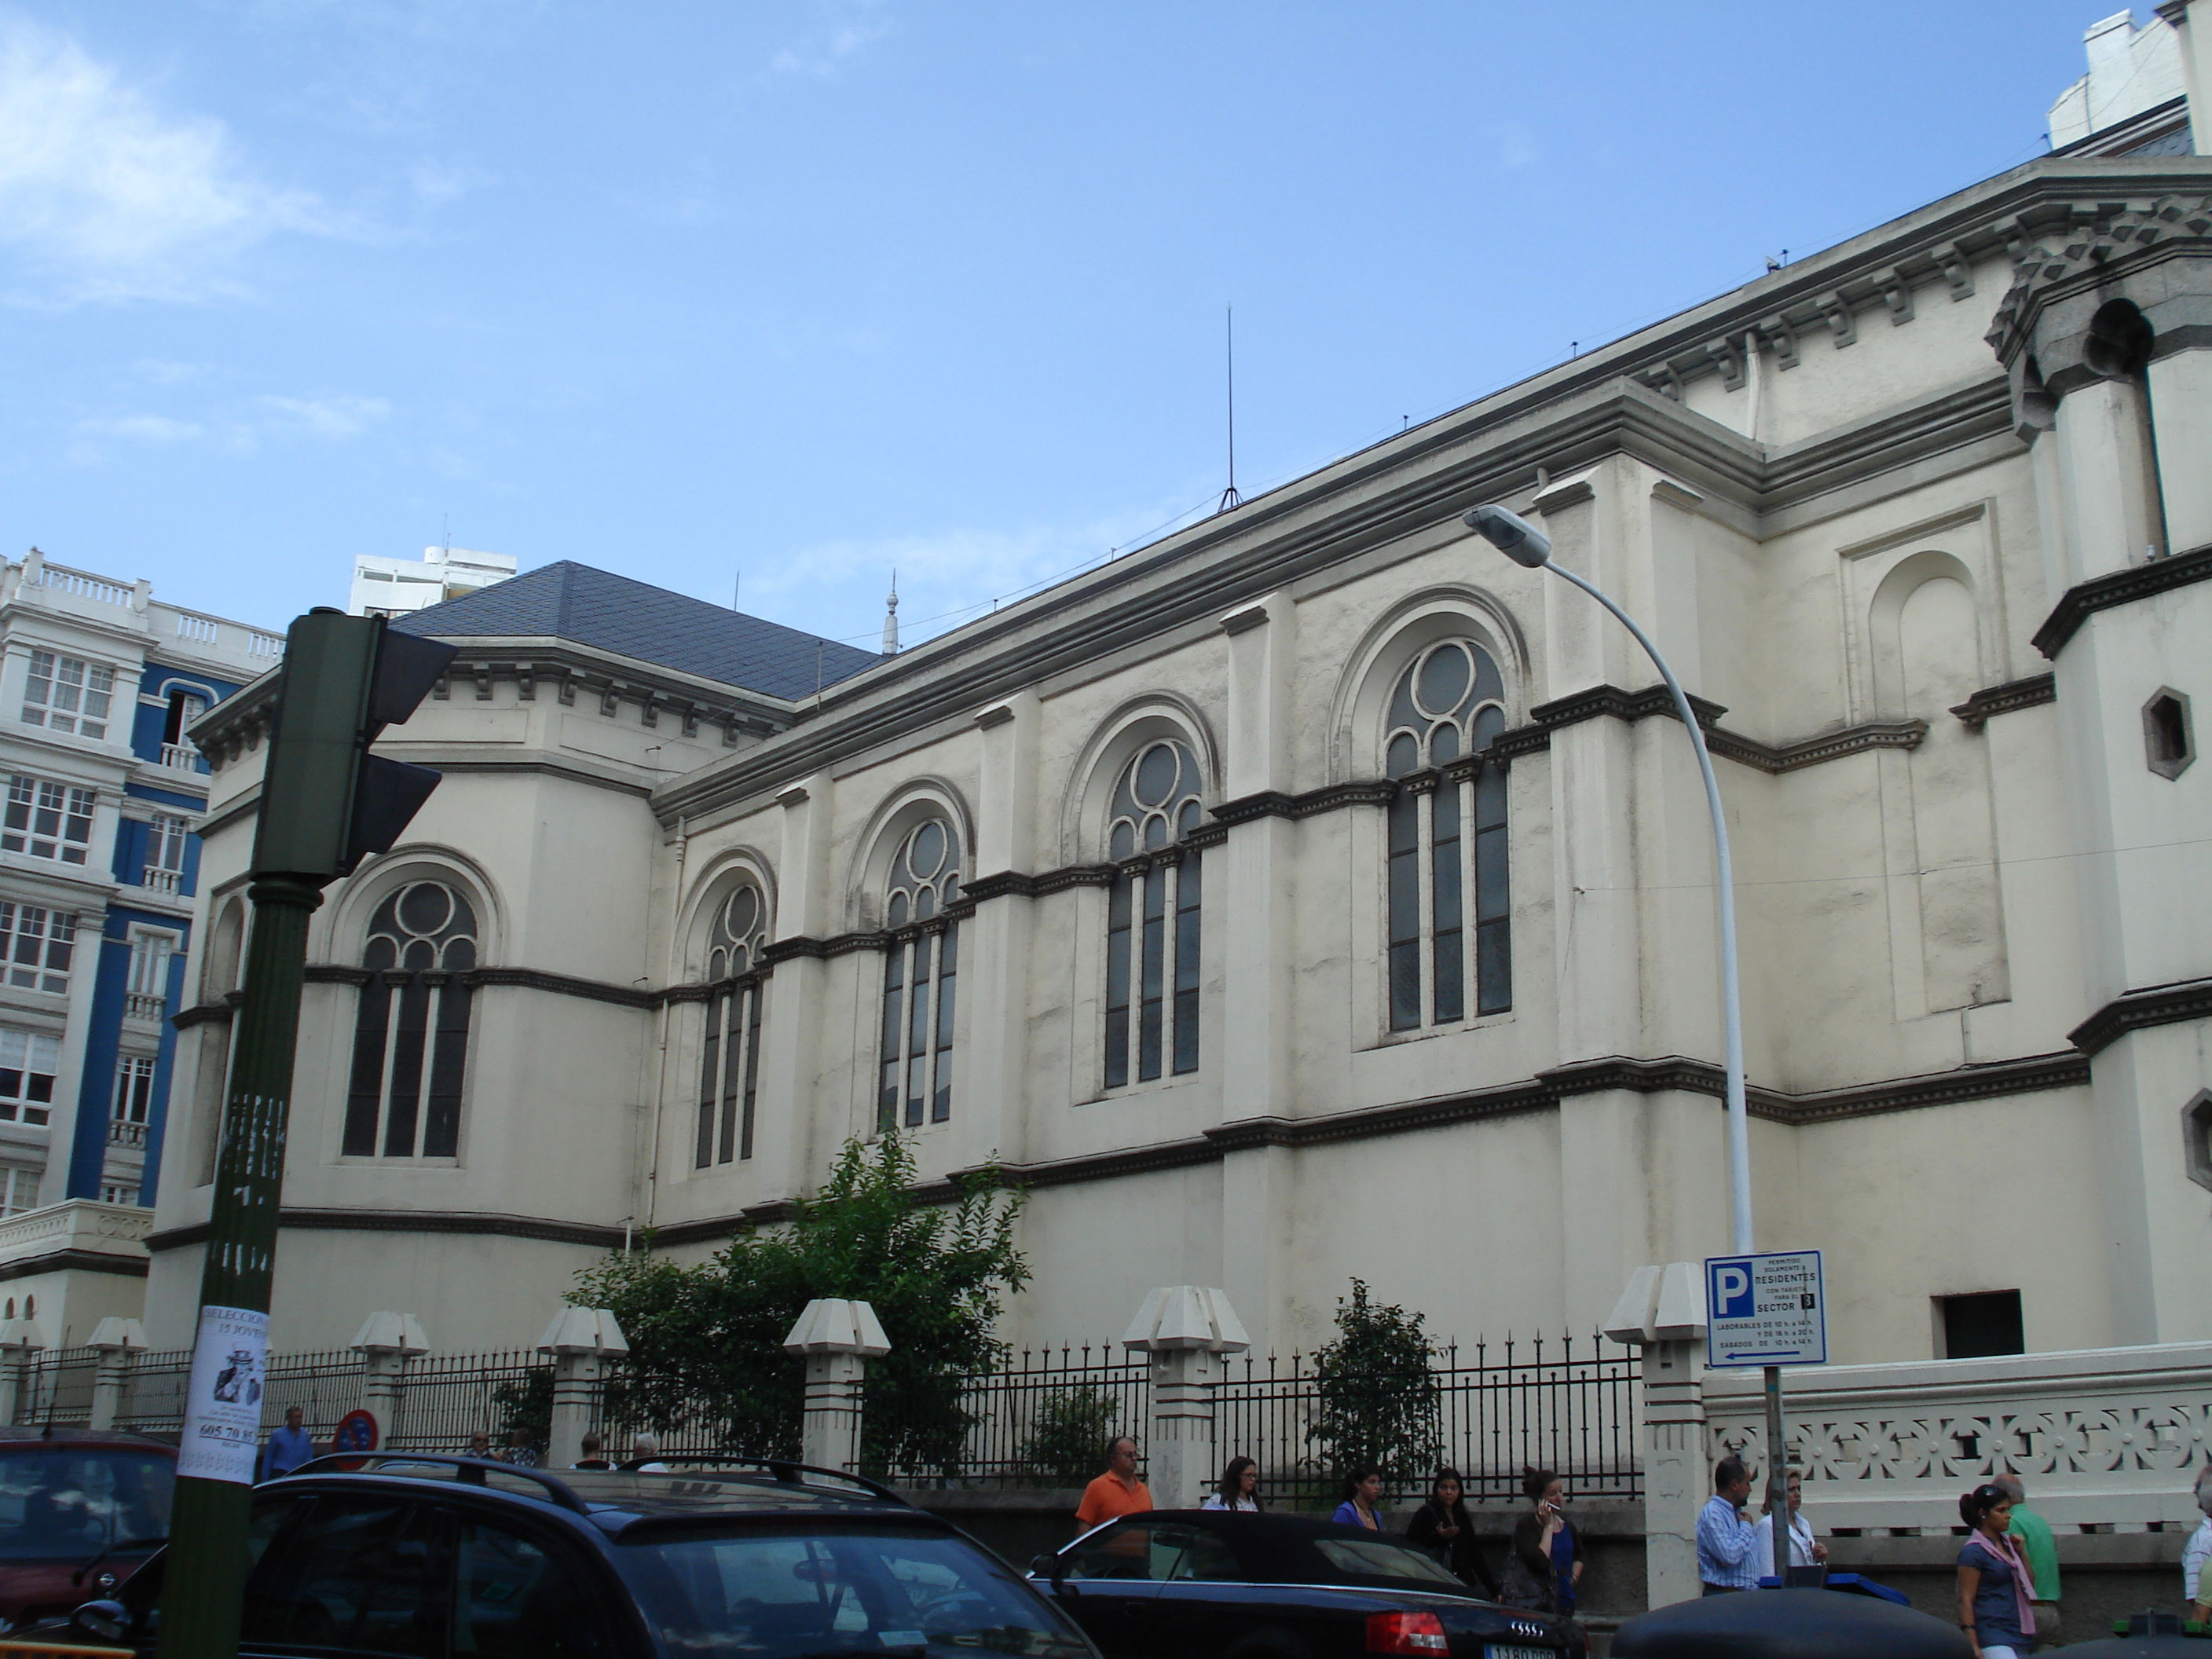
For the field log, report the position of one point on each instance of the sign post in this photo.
(1768, 1309)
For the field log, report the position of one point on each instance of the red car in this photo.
(80, 1509)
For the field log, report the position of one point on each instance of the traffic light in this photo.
(327, 803)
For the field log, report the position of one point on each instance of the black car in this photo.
(1208, 1584)
(452, 1558)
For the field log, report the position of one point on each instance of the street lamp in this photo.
(1522, 542)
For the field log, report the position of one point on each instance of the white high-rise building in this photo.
(394, 587)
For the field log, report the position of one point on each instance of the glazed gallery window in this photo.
(47, 820)
(1447, 840)
(68, 694)
(134, 1090)
(410, 1034)
(729, 1066)
(19, 1191)
(35, 945)
(1152, 918)
(28, 1064)
(919, 972)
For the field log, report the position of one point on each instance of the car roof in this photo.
(16, 1437)
(1275, 1522)
(615, 1500)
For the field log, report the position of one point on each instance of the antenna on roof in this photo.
(737, 580)
(1229, 497)
(890, 617)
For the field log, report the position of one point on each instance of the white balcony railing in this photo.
(200, 631)
(85, 585)
(259, 644)
(183, 758)
(121, 1132)
(160, 881)
(144, 1005)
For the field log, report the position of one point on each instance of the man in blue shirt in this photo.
(288, 1447)
(1725, 1534)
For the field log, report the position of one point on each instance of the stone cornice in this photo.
(2136, 1010)
(2084, 248)
(477, 1223)
(73, 1261)
(1603, 702)
(2138, 581)
(205, 1014)
(1986, 704)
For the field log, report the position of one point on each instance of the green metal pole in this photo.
(204, 1585)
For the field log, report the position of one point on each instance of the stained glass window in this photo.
(729, 1065)
(411, 1027)
(920, 973)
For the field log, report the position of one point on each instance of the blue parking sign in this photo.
(1770, 1308)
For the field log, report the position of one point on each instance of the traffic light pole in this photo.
(326, 803)
(206, 1564)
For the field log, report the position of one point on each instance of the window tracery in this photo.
(921, 971)
(411, 1026)
(1152, 916)
(1447, 840)
(729, 1067)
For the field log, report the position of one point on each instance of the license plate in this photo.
(1502, 1651)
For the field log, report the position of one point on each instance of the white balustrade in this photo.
(183, 758)
(144, 1005)
(201, 630)
(160, 881)
(85, 585)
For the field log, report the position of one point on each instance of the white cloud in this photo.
(328, 418)
(104, 197)
(854, 25)
(146, 428)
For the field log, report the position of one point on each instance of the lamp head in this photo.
(1511, 534)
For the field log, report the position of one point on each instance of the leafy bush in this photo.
(1378, 1400)
(707, 1342)
(1066, 1443)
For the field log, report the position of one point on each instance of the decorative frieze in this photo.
(2139, 581)
(1991, 700)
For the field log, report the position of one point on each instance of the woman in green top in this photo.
(2035, 1543)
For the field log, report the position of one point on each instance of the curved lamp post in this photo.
(1522, 542)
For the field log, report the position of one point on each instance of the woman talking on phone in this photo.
(1544, 1568)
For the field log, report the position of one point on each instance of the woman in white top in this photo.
(1239, 1488)
(2196, 1553)
(1805, 1550)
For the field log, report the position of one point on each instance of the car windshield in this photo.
(71, 1502)
(784, 1594)
(1378, 1558)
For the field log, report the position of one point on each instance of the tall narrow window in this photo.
(146, 991)
(1152, 917)
(729, 1069)
(920, 969)
(68, 694)
(134, 1100)
(29, 1061)
(410, 1034)
(1445, 841)
(165, 852)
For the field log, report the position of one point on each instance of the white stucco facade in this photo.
(1923, 514)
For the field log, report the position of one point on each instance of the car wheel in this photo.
(1269, 1645)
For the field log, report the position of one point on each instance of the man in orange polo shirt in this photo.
(1118, 1491)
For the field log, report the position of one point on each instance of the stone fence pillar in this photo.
(117, 1342)
(837, 1338)
(1662, 1310)
(386, 1342)
(1184, 1330)
(21, 1342)
(581, 1340)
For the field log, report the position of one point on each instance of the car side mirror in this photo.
(108, 1620)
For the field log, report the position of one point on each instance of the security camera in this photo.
(1511, 534)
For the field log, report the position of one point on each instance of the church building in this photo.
(1316, 893)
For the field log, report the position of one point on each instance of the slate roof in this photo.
(572, 601)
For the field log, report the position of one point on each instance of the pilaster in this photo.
(791, 1023)
(581, 1341)
(837, 1338)
(1185, 1331)
(385, 1343)
(1662, 1310)
(995, 941)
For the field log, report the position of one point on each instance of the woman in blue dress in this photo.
(1994, 1589)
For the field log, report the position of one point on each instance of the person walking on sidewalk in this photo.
(1239, 1491)
(1805, 1550)
(1442, 1527)
(1996, 1595)
(2196, 1553)
(1727, 1542)
(288, 1447)
(2032, 1533)
(1118, 1491)
(1364, 1487)
(1543, 1565)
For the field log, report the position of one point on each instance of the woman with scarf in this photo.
(1442, 1527)
(1994, 1588)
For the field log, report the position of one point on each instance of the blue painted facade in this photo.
(132, 854)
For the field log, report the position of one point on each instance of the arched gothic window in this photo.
(1152, 917)
(729, 1067)
(919, 972)
(410, 1041)
(1446, 838)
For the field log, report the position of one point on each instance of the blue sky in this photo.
(810, 289)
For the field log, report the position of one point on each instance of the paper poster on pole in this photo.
(223, 1402)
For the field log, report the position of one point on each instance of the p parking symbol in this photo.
(1730, 1289)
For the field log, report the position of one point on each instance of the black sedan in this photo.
(1203, 1585)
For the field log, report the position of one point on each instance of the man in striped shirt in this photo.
(1726, 1537)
